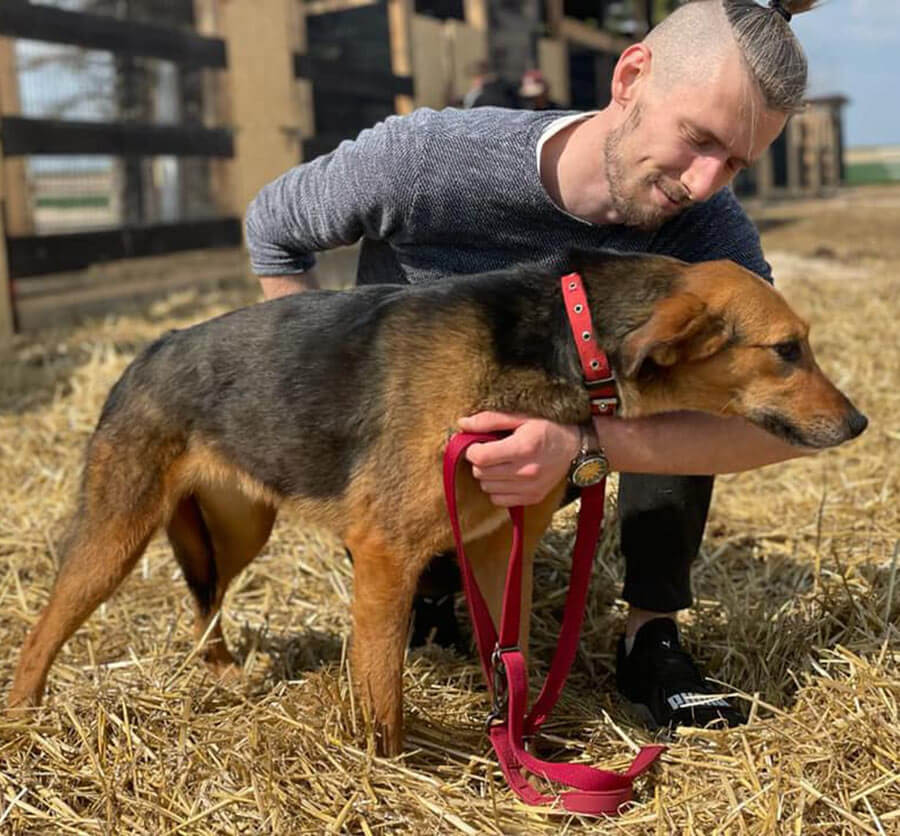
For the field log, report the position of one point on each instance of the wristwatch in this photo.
(590, 466)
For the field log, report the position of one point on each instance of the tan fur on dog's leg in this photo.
(489, 556)
(383, 587)
(96, 560)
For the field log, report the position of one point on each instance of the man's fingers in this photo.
(492, 453)
(506, 500)
(510, 471)
(501, 486)
(487, 422)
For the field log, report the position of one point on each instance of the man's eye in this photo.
(789, 351)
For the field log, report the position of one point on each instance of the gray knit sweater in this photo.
(445, 192)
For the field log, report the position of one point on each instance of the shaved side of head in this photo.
(693, 41)
(689, 44)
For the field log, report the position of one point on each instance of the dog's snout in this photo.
(856, 423)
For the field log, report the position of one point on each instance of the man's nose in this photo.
(705, 176)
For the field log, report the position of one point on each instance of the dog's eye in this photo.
(789, 351)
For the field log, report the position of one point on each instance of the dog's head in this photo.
(725, 341)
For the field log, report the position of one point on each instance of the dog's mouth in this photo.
(818, 433)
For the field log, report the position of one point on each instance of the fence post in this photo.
(9, 205)
(263, 102)
(400, 26)
(7, 319)
(476, 13)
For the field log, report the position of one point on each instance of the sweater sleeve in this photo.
(365, 187)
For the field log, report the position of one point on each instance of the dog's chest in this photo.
(490, 523)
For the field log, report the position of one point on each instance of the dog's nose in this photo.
(856, 423)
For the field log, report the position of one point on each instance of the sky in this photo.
(853, 48)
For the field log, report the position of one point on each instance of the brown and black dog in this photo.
(339, 406)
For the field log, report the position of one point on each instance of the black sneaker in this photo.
(665, 686)
(434, 611)
(434, 620)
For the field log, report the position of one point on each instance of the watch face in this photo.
(589, 471)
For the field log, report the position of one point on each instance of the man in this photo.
(534, 91)
(488, 89)
(440, 193)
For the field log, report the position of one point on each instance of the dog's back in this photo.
(287, 380)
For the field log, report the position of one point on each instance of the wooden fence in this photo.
(26, 253)
(271, 83)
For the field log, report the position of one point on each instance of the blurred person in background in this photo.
(488, 89)
(534, 92)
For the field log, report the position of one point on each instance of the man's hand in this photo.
(274, 287)
(522, 468)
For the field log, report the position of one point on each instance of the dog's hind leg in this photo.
(216, 532)
(383, 588)
(119, 510)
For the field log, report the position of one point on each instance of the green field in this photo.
(93, 201)
(873, 172)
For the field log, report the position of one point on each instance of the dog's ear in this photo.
(680, 328)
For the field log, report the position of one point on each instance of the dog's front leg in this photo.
(383, 588)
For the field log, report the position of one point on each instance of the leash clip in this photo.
(499, 687)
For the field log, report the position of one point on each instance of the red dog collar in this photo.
(598, 377)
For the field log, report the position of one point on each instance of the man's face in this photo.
(681, 145)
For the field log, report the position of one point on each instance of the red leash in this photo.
(595, 791)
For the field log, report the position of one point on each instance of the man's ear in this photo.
(680, 329)
(632, 67)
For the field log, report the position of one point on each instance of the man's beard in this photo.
(631, 198)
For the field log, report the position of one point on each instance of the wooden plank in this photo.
(263, 97)
(11, 197)
(468, 46)
(476, 14)
(35, 255)
(431, 63)
(18, 217)
(584, 34)
(45, 23)
(66, 297)
(207, 22)
(340, 76)
(322, 7)
(555, 13)
(24, 136)
(7, 317)
(553, 60)
(400, 14)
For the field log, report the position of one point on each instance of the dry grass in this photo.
(798, 610)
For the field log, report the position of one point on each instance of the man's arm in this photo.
(276, 286)
(522, 468)
(690, 443)
(364, 188)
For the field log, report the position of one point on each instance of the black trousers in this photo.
(661, 521)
